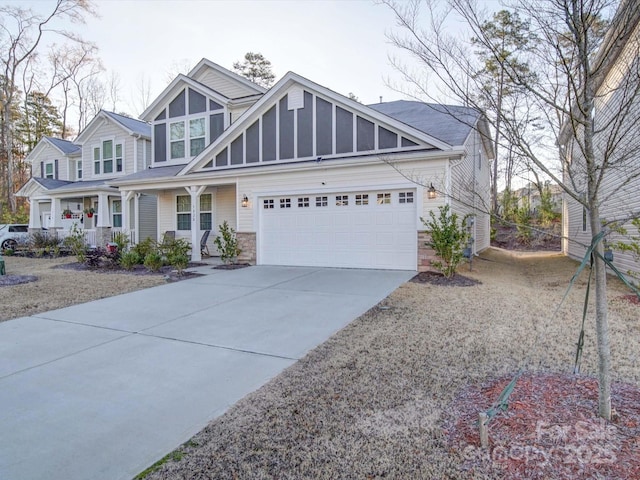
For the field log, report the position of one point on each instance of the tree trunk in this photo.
(602, 323)
(8, 145)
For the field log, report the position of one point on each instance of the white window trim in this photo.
(80, 169)
(114, 213)
(53, 169)
(204, 211)
(99, 146)
(188, 212)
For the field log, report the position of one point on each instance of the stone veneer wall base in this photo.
(247, 243)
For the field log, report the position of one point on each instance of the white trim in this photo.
(195, 71)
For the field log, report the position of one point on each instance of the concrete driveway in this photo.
(104, 389)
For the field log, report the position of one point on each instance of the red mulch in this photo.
(632, 298)
(550, 430)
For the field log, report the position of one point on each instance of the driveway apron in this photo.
(104, 389)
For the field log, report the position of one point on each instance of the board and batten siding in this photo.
(621, 184)
(327, 179)
(225, 86)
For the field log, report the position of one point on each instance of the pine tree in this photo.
(256, 68)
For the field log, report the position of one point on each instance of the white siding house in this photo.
(307, 176)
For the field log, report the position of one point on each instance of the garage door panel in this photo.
(340, 232)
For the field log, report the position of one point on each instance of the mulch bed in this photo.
(8, 280)
(169, 272)
(231, 266)
(435, 278)
(632, 298)
(550, 429)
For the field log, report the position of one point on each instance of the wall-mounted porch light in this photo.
(431, 193)
(245, 201)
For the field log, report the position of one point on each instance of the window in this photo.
(48, 170)
(321, 201)
(384, 198)
(205, 211)
(79, 169)
(268, 203)
(107, 156)
(362, 199)
(303, 202)
(183, 209)
(196, 136)
(584, 213)
(103, 158)
(176, 136)
(342, 200)
(285, 203)
(96, 160)
(116, 211)
(405, 197)
(118, 157)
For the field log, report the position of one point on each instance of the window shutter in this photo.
(41, 169)
(55, 169)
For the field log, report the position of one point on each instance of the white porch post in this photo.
(34, 214)
(195, 193)
(104, 219)
(136, 213)
(126, 196)
(56, 212)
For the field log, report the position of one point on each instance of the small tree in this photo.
(448, 238)
(227, 243)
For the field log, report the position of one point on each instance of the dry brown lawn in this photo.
(58, 288)
(375, 399)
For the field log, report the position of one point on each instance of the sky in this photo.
(340, 44)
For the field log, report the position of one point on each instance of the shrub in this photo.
(122, 240)
(177, 253)
(130, 259)
(76, 243)
(546, 211)
(145, 247)
(523, 221)
(153, 261)
(448, 239)
(227, 243)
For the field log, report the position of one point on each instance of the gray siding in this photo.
(286, 130)
(160, 142)
(344, 131)
(324, 127)
(148, 212)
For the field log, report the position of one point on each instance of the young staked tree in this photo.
(256, 68)
(572, 101)
(21, 34)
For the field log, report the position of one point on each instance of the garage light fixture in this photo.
(245, 201)
(432, 192)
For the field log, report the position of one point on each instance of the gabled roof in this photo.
(134, 126)
(449, 123)
(172, 89)
(279, 89)
(65, 146)
(206, 63)
(37, 184)
(130, 125)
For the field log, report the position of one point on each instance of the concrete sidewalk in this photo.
(104, 389)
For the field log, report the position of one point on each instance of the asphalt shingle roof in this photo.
(51, 183)
(136, 126)
(150, 173)
(449, 123)
(65, 146)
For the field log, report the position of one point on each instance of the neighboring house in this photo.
(69, 183)
(307, 176)
(617, 107)
(530, 196)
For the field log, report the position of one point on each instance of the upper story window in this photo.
(106, 158)
(48, 170)
(186, 126)
(79, 170)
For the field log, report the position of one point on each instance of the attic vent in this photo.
(295, 98)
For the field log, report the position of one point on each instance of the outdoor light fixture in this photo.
(432, 192)
(245, 202)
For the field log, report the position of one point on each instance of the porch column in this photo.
(103, 227)
(195, 192)
(34, 215)
(136, 213)
(126, 196)
(56, 212)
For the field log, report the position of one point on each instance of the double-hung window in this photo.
(48, 170)
(116, 211)
(104, 158)
(205, 211)
(79, 170)
(176, 137)
(183, 209)
(196, 136)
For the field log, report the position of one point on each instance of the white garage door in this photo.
(374, 229)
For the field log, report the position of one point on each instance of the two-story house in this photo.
(69, 184)
(307, 176)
